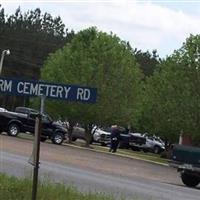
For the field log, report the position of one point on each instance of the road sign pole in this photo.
(36, 149)
(36, 155)
(42, 104)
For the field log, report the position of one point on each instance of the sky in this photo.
(147, 24)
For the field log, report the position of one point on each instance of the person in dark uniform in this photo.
(115, 137)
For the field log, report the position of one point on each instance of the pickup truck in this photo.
(130, 140)
(23, 120)
(101, 135)
(187, 161)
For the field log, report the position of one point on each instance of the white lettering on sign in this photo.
(47, 90)
(53, 91)
(59, 91)
(67, 89)
(33, 89)
(26, 88)
(40, 88)
(86, 94)
(79, 93)
(20, 87)
(5, 86)
(83, 94)
(56, 91)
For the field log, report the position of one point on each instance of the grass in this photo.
(146, 156)
(136, 154)
(12, 188)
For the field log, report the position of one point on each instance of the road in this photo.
(95, 172)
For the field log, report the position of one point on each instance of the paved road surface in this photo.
(149, 186)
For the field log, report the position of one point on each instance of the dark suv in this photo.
(23, 120)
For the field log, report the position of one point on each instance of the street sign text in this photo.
(50, 90)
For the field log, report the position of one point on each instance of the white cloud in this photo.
(146, 25)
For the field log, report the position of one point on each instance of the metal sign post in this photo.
(36, 155)
(35, 158)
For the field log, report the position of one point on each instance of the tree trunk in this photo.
(88, 135)
(70, 130)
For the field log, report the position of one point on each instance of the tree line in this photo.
(135, 88)
(30, 37)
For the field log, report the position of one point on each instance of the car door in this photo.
(47, 127)
(79, 132)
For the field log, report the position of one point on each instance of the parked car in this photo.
(23, 120)
(3, 110)
(153, 144)
(78, 132)
(131, 140)
(101, 135)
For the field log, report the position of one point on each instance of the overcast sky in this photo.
(146, 24)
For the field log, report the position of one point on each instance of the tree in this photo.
(172, 96)
(147, 61)
(99, 60)
(30, 36)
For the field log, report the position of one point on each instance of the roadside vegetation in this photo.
(12, 188)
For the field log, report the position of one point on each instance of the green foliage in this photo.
(99, 60)
(172, 96)
(30, 36)
(147, 61)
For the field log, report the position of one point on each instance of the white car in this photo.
(3, 110)
(153, 144)
(101, 135)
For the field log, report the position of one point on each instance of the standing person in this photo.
(115, 137)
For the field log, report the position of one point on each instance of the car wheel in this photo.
(189, 180)
(156, 149)
(57, 138)
(13, 130)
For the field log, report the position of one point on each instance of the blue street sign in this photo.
(50, 90)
